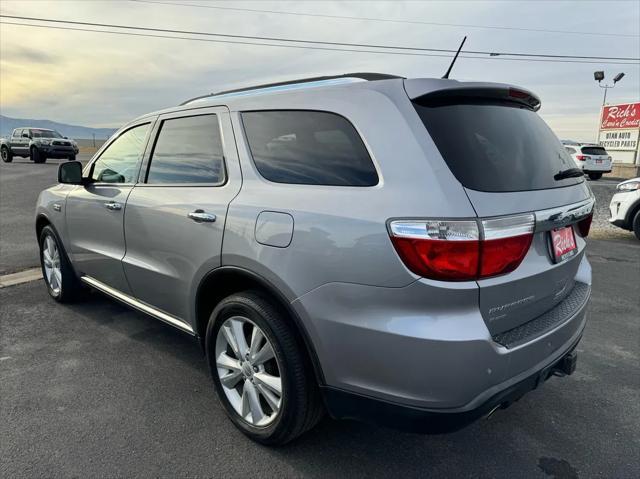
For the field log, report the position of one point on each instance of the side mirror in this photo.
(70, 173)
(25, 135)
(65, 137)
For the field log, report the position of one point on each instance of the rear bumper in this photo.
(346, 405)
(427, 347)
(595, 168)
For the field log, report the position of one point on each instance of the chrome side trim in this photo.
(134, 303)
(563, 215)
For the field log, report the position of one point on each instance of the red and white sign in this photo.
(625, 116)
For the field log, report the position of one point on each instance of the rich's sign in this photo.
(625, 116)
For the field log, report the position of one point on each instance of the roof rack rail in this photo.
(364, 76)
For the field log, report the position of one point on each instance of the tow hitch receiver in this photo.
(567, 365)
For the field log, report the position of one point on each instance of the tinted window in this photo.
(308, 147)
(594, 150)
(119, 163)
(492, 146)
(188, 150)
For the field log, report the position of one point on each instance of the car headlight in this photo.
(44, 141)
(631, 186)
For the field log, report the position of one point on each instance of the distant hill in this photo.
(7, 125)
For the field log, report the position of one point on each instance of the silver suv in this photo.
(409, 252)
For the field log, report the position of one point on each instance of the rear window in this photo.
(308, 147)
(495, 146)
(593, 150)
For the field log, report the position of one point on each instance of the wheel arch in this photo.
(41, 221)
(631, 214)
(226, 280)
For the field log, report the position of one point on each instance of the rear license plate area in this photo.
(563, 244)
(598, 162)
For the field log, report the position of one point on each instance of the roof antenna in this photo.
(446, 75)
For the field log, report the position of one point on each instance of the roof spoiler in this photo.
(446, 89)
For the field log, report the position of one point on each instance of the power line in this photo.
(173, 37)
(316, 42)
(389, 20)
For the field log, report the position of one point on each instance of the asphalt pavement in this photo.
(21, 181)
(97, 390)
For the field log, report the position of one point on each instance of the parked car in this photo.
(592, 159)
(377, 263)
(625, 206)
(38, 144)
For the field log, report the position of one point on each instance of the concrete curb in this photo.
(26, 276)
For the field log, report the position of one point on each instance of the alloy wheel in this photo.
(51, 262)
(248, 371)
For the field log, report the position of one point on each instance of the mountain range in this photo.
(8, 124)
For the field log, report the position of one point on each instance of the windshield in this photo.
(45, 134)
(496, 146)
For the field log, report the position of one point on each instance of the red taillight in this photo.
(501, 256)
(453, 250)
(584, 225)
(582, 157)
(438, 259)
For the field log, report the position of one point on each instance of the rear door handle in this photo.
(199, 216)
(113, 206)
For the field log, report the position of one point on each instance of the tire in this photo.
(636, 224)
(5, 153)
(72, 158)
(37, 156)
(595, 176)
(299, 407)
(67, 288)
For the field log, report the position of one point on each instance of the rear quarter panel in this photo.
(340, 233)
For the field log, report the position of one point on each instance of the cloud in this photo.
(105, 80)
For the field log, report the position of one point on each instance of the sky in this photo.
(105, 80)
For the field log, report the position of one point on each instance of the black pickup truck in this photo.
(38, 144)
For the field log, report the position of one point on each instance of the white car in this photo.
(592, 159)
(625, 206)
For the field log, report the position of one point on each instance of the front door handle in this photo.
(113, 206)
(199, 216)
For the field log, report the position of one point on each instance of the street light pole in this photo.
(599, 76)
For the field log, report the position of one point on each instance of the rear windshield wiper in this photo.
(570, 173)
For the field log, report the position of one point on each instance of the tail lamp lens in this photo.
(582, 157)
(453, 250)
(506, 242)
(446, 250)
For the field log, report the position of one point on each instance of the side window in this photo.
(120, 161)
(308, 147)
(17, 133)
(188, 150)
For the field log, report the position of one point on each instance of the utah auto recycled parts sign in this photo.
(620, 127)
